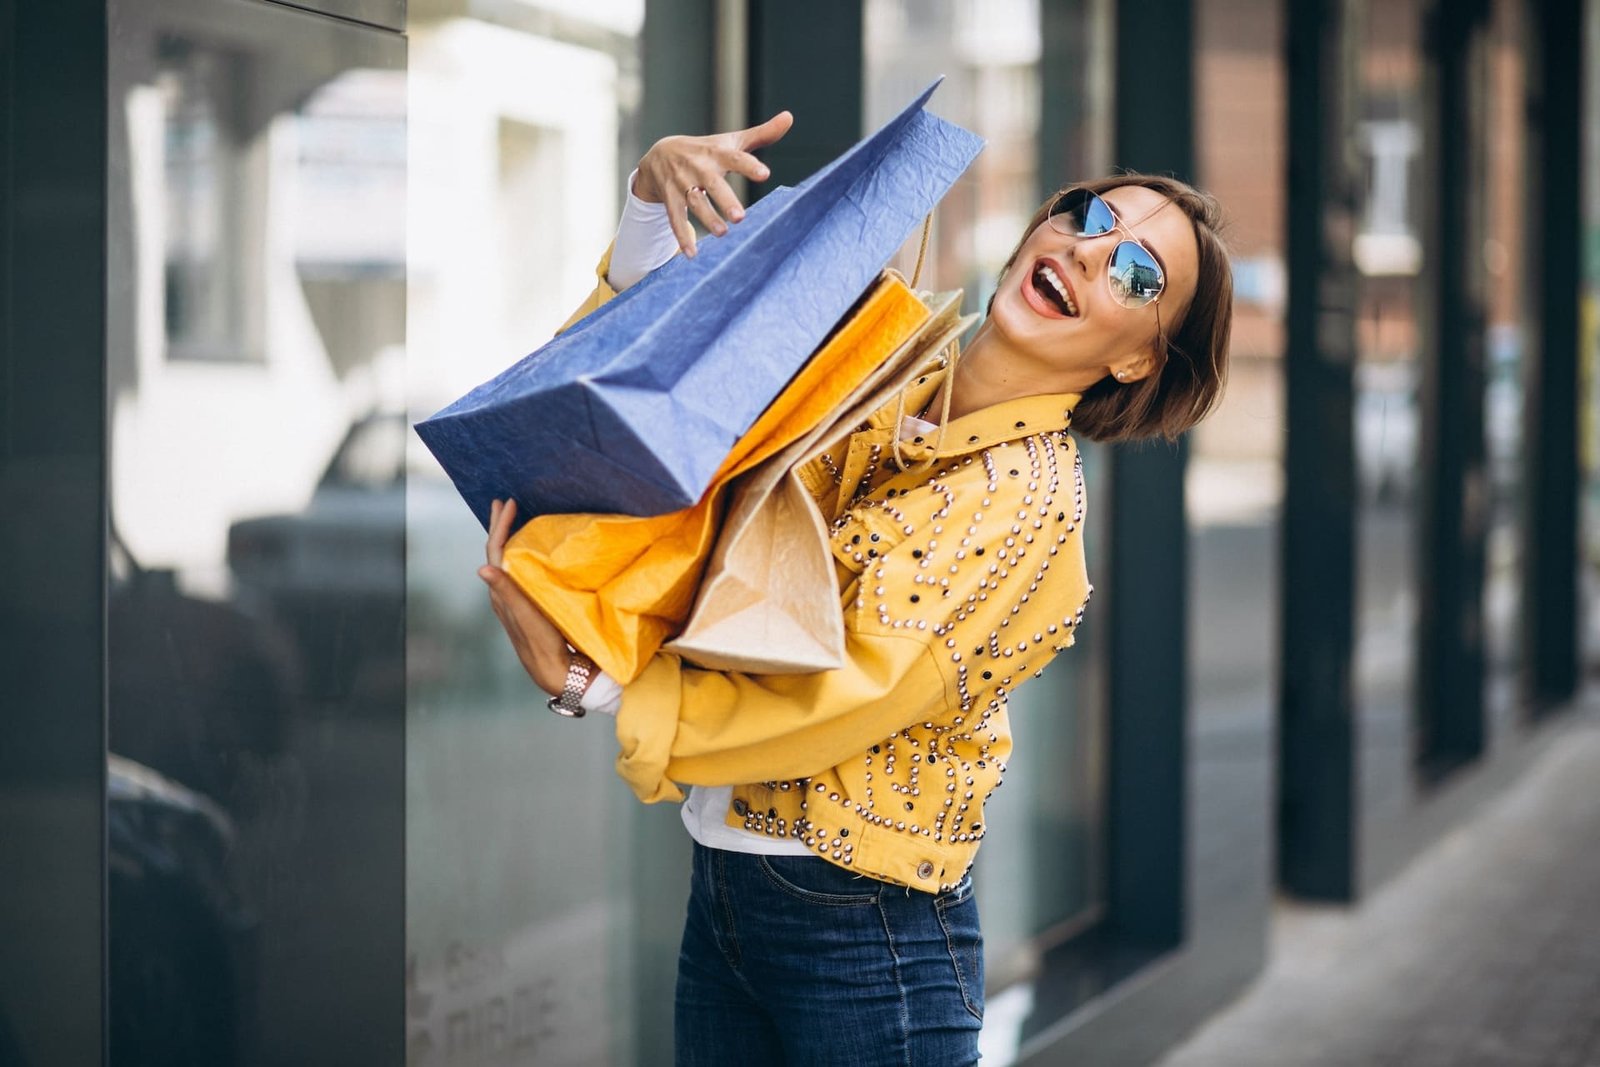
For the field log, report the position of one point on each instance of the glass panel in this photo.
(390, 14)
(1234, 482)
(1589, 353)
(989, 58)
(538, 890)
(1388, 113)
(204, 170)
(1039, 869)
(255, 381)
(1505, 252)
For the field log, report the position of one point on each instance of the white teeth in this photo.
(1066, 297)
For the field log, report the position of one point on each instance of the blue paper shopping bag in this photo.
(631, 410)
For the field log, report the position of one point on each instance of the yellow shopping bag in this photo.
(617, 585)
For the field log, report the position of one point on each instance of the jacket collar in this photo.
(984, 428)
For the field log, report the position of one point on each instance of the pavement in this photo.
(1483, 952)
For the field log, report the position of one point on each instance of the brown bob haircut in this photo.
(1194, 366)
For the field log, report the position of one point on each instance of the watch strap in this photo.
(569, 702)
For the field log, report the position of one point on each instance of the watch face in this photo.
(560, 706)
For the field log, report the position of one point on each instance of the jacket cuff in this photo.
(647, 723)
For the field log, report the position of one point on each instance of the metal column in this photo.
(1147, 576)
(1316, 818)
(52, 539)
(1550, 590)
(1455, 497)
(809, 59)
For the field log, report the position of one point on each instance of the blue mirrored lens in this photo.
(1097, 217)
(1136, 278)
(1081, 214)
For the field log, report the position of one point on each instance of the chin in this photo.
(1011, 313)
(1050, 351)
(1012, 316)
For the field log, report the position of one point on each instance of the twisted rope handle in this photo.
(945, 389)
(922, 250)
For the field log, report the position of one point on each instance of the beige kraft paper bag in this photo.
(769, 601)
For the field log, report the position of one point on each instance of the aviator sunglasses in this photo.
(1134, 273)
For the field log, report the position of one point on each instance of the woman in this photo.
(836, 815)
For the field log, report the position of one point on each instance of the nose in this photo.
(1090, 255)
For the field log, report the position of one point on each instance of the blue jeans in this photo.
(791, 961)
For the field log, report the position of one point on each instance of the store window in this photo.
(210, 310)
(1509, 326)
(255, 672)
(538, 891)
(1589, 348)
(1388, 101)
(1234, 478)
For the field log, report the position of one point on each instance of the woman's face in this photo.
(1072, 352)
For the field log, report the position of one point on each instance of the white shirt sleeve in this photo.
(603, 695)
(644, 241)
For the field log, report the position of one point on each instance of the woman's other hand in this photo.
(686, 174)
(539, 645)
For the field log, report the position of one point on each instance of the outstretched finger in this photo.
(725, 199)
(767, 133)
(705, 211)
(678, 216)
(742, 162)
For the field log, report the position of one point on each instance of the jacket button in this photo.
(740, 807)
(925, 869)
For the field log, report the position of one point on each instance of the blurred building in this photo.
(274, 790)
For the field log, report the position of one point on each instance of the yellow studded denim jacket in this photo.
(960, 577)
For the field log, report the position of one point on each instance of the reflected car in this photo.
(333, 574)
(181, 946)
(336, 575)
(195, 684)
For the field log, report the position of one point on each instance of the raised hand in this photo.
(687, 175)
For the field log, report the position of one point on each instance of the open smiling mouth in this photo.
(1052, 289)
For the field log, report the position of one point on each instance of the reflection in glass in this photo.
(1504, 254)
(181, 948)
(1388, 253)
(1589, 358)
(533, 879)
(204, 179)
(1234, 479)
(989, 56)
(256, 313)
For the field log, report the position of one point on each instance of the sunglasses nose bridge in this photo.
(1092, 255)
(1141, 281)
(1088, 259)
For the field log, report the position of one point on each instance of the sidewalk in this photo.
(1485, 951)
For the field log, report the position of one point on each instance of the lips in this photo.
(1048, 292)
